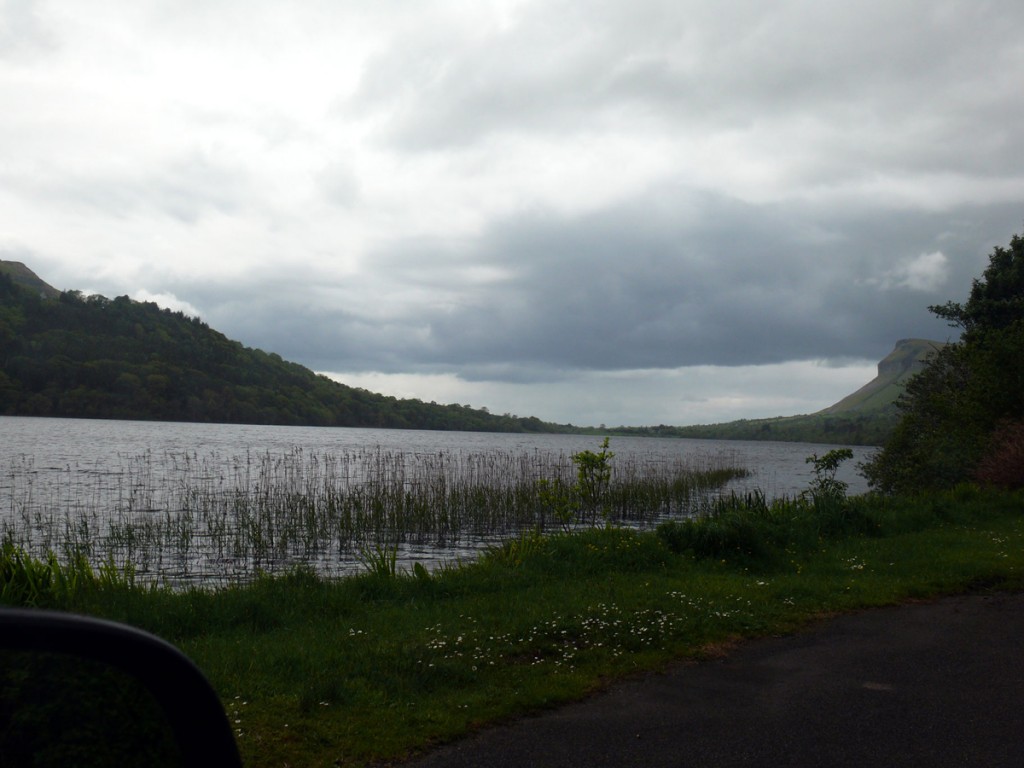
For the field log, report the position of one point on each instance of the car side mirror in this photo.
(86, 692)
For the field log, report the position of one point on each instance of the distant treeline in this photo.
(872, 428)
(94, 357)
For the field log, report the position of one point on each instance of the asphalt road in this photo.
(925, 684)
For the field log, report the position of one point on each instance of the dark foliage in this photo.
(1002, 464)
(93, 357)
(842, 429)
(951, 411)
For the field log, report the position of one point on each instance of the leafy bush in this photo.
(587, 552)
(587, 498)
(731, 527)
(593, 476)
(750, 529)
(1003, 463)
(824, 486)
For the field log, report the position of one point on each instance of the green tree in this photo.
(997, 298)
(824, 486)
(955, 410)
(593, 478)
(584, 500)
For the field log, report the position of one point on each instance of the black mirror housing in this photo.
(191, 711)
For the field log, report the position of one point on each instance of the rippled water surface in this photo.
(66, 479)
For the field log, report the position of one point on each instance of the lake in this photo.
(186, 488)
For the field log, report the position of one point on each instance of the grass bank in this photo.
(381, 666)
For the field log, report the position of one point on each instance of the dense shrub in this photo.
(745, 528)
(1003, 463)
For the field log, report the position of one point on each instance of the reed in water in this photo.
(181, 516)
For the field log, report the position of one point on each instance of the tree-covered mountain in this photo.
(25, 277)
(66, 354)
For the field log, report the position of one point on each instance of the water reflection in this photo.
(172, 498)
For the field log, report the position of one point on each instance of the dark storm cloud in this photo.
(670, 280)
(632, 289)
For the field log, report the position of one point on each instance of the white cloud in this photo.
(924, 273)
(167, 301)
(697, 395)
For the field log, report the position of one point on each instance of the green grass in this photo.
(381, 666)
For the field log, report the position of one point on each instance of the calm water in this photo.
(69, 467)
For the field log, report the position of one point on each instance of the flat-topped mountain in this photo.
(865, 417)
(880, 394)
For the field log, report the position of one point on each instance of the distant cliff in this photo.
(866, 417)
(894, 370)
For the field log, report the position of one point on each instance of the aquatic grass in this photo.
(380, 561)
(49, 582)
(231, 517)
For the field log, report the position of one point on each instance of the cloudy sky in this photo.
(615, 211)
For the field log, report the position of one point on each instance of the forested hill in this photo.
(65, 354)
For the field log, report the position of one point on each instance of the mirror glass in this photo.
(62, 710)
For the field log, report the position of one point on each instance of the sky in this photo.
(606, 212)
